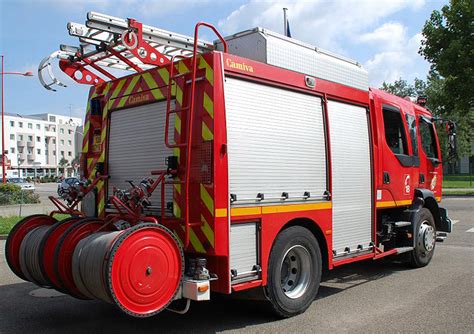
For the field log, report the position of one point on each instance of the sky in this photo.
(383, 35)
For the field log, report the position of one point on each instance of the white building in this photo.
(37, 143)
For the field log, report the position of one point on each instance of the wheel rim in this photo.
(426, 237)
(295, 271)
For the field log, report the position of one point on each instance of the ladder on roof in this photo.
(107, 42)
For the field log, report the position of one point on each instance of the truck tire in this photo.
(294, 271)
(425, 239)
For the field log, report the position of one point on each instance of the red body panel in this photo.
(398, 193)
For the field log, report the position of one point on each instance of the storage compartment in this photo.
(244, 259)
(274, 49)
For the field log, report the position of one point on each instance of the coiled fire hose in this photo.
(29, 256)
(88, 263)
(139, 269)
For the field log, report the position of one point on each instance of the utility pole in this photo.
(285, 22)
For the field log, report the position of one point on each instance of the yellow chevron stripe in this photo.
(153, 86)
(207, 230)
(182, 68)
(209, 70)
(127, 92)
(87, 127)
(177, 152)
(178, 93)
(115, 93)
(164, 74)
(208, 105)
(177, 123)
(89, 162)
(206, 133)
(106, 89)
(195, 241)
(176, 209)
(177, 187)
(207, 199)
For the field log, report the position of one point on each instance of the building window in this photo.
(69, 131)
(30, 138)
(62, 154)
(62, 142)
(54, 153)
(20, 149)
(52, 118)
(20, 137)
(38, 126)
(38, 139)
(30, 151)
(69, 142)
(38, 151)
(20, 124)
(61, 131)
(54, 140)
(12, 137)
(395, 131)
(53, 129)
(30, 126)
(12, 123)
(69, 154)
(12, 150)
(428, 139)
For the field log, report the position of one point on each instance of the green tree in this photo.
(403, 89)
(448, 46)
(63, 164)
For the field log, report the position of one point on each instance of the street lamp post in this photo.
(26, 74)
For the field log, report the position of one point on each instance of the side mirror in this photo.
(452, 146)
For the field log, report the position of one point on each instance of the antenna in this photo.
(285, 22)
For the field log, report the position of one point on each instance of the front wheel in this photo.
(294, 271)
(425, 239)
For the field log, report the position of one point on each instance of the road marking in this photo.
(454, 221)
(471, 230)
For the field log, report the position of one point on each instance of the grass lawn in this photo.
(7, 223)
(458, 181)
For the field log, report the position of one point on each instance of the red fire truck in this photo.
(253, 161)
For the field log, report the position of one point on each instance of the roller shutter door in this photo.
(276, 141)
(137, 146)
(351, 177)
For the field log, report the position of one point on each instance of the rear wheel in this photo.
(294, 271)
(425, 239)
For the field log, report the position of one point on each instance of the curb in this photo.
(457, 195)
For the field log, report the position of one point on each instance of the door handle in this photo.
(386, 178)
(422, 178)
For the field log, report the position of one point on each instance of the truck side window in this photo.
(411, 121)
(428, 140)
(395, 131)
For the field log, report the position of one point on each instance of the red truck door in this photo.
(430, 156)
(398, 160)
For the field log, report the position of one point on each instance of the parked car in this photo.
(65, 184)
(19, 181)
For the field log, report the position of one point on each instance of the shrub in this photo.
(12, 194)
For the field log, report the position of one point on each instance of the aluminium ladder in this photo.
(107, 42)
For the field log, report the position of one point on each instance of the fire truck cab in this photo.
(259, 161)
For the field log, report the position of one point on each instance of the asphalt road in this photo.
(373, 296)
